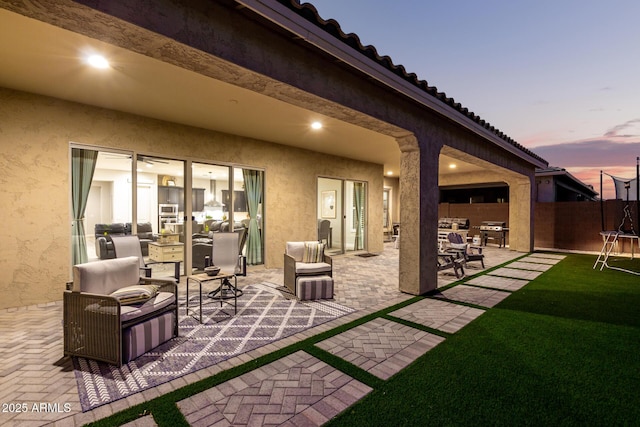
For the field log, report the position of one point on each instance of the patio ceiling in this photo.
(44, 59)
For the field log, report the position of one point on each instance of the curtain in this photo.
(83, 164)
(358, 200)
(253, 193)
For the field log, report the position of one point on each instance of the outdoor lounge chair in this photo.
(112, 314)
(224, 254)
(451, 261)
(464, 250)
(307, 260)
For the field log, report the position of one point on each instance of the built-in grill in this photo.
(494, 230)
(453, 223)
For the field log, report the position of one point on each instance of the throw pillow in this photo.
(135, 294)
(313, 252)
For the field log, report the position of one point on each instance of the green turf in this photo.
(564, 350)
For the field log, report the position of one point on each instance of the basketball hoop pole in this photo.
(601, 203)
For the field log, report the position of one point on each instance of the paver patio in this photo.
(34, 369)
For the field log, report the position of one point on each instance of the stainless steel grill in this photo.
(453, 223)
(494, 230)
(493, 226)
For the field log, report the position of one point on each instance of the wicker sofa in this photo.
(98, 323)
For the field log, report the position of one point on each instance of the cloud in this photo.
(614, 131)
(597, 153)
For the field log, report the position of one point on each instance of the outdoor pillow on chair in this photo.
(313, 252)
(135, 294)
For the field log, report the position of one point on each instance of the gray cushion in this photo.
(161, 300)
(312, 267)
(105, 276)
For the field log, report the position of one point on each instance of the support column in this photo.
(521, 213)
(418, 218)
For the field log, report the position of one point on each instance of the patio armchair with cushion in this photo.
(305, 260)
(112, 314)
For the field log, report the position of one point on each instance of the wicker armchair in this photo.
(294, 266)
(98, 325)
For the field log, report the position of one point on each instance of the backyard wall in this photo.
(573, 226)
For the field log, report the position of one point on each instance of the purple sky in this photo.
(561, 77)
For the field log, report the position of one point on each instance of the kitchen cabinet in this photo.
(175, 195)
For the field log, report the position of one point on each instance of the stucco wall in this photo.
(35, 133)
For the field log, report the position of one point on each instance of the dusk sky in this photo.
(561, 77)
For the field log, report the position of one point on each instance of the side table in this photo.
(202, 278)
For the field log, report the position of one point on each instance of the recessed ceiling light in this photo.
(452, 166)
(98, 61)
(316, 125)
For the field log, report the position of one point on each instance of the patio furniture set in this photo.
(114, 311)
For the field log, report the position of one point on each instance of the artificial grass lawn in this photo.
(564, 350)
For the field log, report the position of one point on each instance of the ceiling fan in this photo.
(141, 158)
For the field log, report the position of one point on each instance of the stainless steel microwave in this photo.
(168, 209)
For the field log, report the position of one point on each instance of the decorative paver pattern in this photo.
(295, 390)
(548, 256)
(530, 266)
(472, 295)
(497, 282)
(540, 260)
(515, 273)
(381, 347)
(436, 314)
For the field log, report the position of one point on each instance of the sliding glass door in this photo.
(220, 197)
(342, 209)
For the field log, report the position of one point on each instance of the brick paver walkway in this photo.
(497, 282)
(381, 347)
(523, 265)
(473, 295)
(441, 315)
(515, 273)
(295, 390)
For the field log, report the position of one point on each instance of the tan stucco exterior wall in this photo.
(35, 133)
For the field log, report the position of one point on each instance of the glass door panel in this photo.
(161, 212)
(355, 215)
(108, 209)
(330, 202)
(211, 183)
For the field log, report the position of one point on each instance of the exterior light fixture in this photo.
(390, 173)
(316, 125)
(452, 166)
(98, 61)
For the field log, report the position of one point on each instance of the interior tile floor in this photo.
(38, 386)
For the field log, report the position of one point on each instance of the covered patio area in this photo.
(31, 346)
